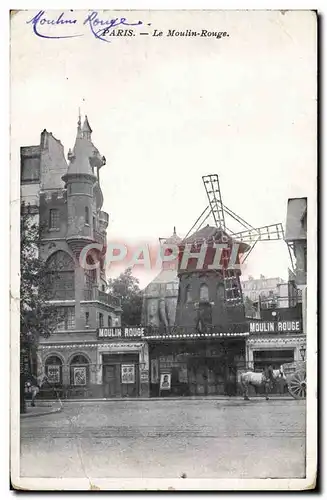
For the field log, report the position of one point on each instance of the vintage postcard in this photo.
(164, 250)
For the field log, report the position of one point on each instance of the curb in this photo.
(40, 414)
(111, 400)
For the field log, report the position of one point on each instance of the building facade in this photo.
(203, 351)
(77, 359)
(279, 336)
(160, 296)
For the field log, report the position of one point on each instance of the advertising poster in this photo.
(128, 374)
(80, 375)
(54, 374)
(165, 381)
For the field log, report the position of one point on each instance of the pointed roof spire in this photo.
(79, 123)
(86, 129)
(174, 231)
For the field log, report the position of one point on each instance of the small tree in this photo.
(38, 317)
(126, 286)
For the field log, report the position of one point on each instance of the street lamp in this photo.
(302, 352)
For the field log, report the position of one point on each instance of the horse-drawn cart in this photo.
(296, 378)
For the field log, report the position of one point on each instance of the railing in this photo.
(99, 237)
(107, 298)
(104, 216)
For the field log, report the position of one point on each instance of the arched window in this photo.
(61, 276)
(188, 296)
(90, 277)
(109, 321)
(204, 293)
(87, 215)
(53, 370)
(79, 371)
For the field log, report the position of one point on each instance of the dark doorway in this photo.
(111, 381)
(120, 375)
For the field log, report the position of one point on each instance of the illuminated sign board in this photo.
(275, 326)
(124, 332)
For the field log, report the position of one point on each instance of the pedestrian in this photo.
(32, 387)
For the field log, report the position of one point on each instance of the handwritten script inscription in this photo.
(66, 25)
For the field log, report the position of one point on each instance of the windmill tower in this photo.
(209, 295)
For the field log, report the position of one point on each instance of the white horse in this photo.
(265, 379)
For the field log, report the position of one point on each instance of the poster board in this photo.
(165, 382)
(128, 374)
(53, 374)
(79, 375)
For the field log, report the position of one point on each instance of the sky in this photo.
(167, 110)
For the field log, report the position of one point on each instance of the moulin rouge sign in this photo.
(275, 326)
(116, 332)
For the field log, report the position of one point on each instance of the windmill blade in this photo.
(249, 251)
(264, 233)
(211, 184)
(205, 212)
(236, 217)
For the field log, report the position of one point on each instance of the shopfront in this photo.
(273, 344)
(202, 366)
(124, 363)
(114, 365)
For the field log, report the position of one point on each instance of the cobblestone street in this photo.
(169, 438)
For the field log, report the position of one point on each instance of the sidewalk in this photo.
(167, 399)
(41, 408)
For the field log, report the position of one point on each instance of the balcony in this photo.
(104, 218)
(106, 298)
(99, 237)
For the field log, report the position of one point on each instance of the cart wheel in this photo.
(297, 385)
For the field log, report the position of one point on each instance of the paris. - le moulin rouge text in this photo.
(103, 28)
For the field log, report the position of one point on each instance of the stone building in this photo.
(280, 334)
(160, 296)
(78, 359)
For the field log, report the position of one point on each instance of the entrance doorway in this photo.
(111, 382)
(120, 375)
(209, 376)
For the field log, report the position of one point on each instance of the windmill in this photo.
(220, 212)
(224, 297)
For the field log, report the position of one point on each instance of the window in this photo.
(90, 274)
(61, 276)
(79, 370)
(188, 297)
(87, 217)
(30, 169)
(87, 316)
(53, 370)
(100, 320)
(54, 219)
(204, 293)
(94, 225)
(109, 321)
(66, 318)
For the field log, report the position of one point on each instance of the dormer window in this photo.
(87, 216)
